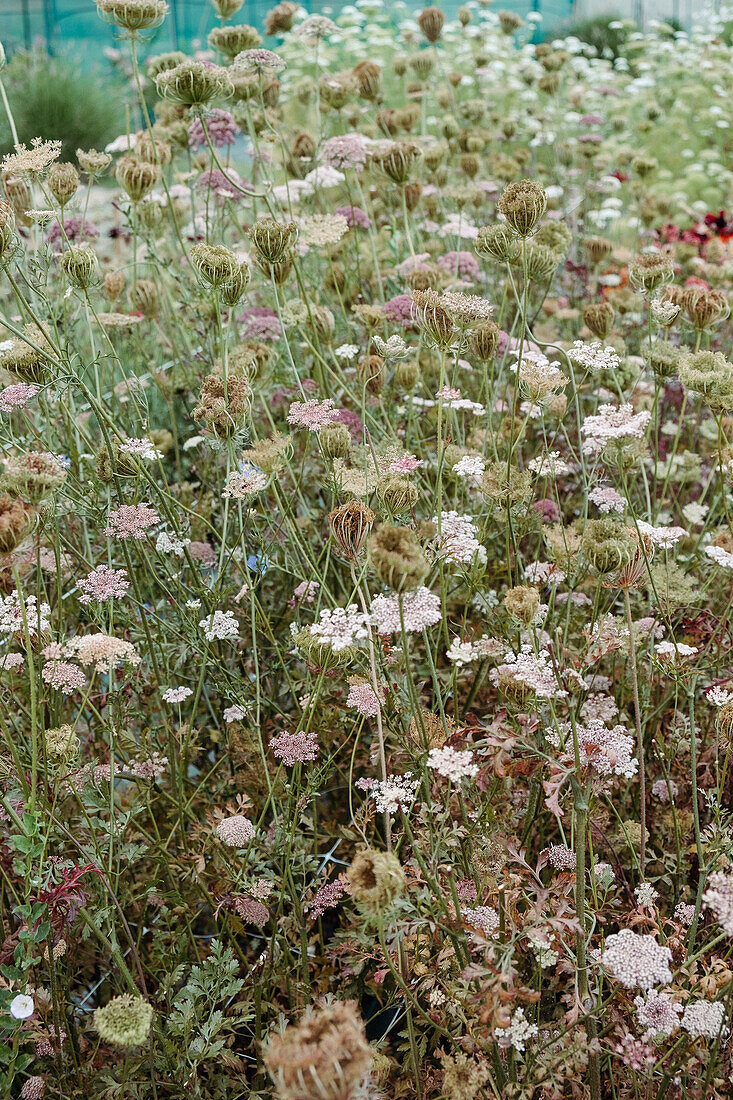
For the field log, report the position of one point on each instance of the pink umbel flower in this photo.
(236, 831)
(312, 415)
(17, 396)
(347, 152)
(221, 127)
(295, 748)
(177, 695)
(131, 521)
(63, 676)
(362, 697)
(327, 896)
(406, 464)
(103, 584)
(305, 592)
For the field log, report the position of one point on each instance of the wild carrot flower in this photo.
(236, 831)
(102, 584)
(131, 521)
(295, 748)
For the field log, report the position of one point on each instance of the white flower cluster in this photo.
(720, 556)
(594, 357)
(456, 540)
(452, 764)
(517, 1033)
(658, 1013)
(470, 468)
(37, 616)
(482, 917)
(341, 627)
(531, 670)
(394, 793)
(164, 544)
(463, 653)
(704, 1019)
(637, 961)
(420, 609)
(718, 898)
(220, 625)
(613, 423)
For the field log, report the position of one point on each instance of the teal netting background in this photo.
(75, 25)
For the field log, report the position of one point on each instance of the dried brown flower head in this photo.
(324, 1056)
(351, 524)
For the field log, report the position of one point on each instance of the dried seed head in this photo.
(599, 317)
(225, 9)
(114, 284)
(497, 241)
(93, 163)
(28, 361)
(233, 290)
(351, 525)
(398, 161)
(136, 176)
(369, 78)
(61, 742)
(80, 265)
(194, 83)
(705, 307)
(8, 239)
(17, 520)
(63, 182)
(325, 1056)
(273, 240)
(18, 194)
(397, 557)
(651, 270)
(523, 204)
(431, 21)
(231, 40)
(371, 373)
(725, 726)
(710, 374)
(214, 263)
(484, 341)
(375, 879)
(335, 441)
(406, 375)
(522, 602)
(597, 248)
(422, 64)
(509, 22)
(223, 405)
(663, 358)
(133, 15)
(154, 150)
(540, 262)
(280, 18)
(398, 494)
(433, 318)
(146, 299)
(614, 551)
(428, 732)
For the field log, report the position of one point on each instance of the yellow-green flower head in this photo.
(125, 1021)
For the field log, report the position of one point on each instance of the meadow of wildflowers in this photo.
(366, 569)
